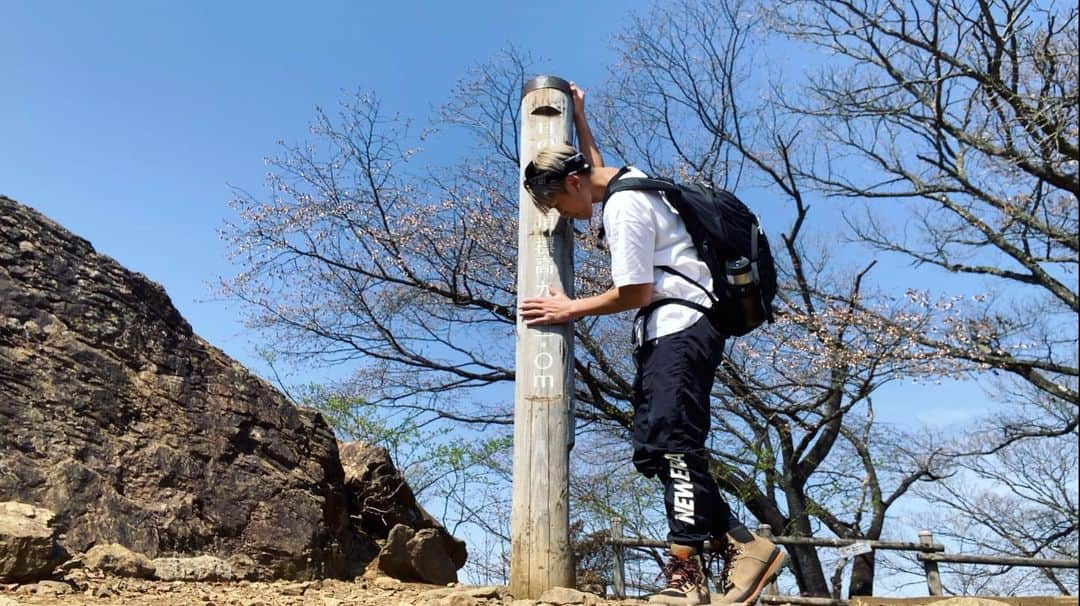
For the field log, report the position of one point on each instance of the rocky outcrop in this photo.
(28, 549)
(135, 431)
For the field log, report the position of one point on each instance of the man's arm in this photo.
(558, 308)
(586, 143)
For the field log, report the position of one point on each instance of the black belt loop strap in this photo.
(754, 229)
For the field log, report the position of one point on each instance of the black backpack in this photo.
(723, 230)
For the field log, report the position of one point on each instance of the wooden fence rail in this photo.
(963, 558)
(929, 553)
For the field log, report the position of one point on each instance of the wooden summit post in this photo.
(540, 556)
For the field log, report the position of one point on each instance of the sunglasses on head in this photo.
(535, 176)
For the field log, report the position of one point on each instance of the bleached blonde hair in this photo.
(546, 175)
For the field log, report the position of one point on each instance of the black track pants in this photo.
(671, 423)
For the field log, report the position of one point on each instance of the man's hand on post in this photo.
(556, 308)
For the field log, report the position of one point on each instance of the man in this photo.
(677, 351)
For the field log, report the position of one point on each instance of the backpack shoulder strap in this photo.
(618, 184)
(614, 181)
(639, 184)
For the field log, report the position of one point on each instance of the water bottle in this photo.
(744, 295)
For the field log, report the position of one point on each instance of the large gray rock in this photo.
(200, 568)
(28, 549)
(382, 501)
(416, 556)
(135, 431)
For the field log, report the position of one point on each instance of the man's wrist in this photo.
(575, 309)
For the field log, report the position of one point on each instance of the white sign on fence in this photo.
(850, 551)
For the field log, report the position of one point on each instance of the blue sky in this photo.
(126, 122)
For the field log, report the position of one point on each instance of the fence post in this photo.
(765, 531)
(618, 576)
(933, 575)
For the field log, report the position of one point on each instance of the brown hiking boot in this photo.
(748, 568)
(686, 583)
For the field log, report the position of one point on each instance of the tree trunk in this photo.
(804, 558)
(862, 575)
(808, 571)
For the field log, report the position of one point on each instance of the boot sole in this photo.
(772, 570)
(677, 601)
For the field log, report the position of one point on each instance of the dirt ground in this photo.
(131, 592)
(86, 590)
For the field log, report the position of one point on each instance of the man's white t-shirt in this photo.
(643, 232)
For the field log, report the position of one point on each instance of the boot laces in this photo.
(732, 553)
(680, 572)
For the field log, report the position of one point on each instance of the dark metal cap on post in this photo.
(545, 82)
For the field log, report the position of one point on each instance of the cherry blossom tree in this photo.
(964, 114)
(365, 252)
